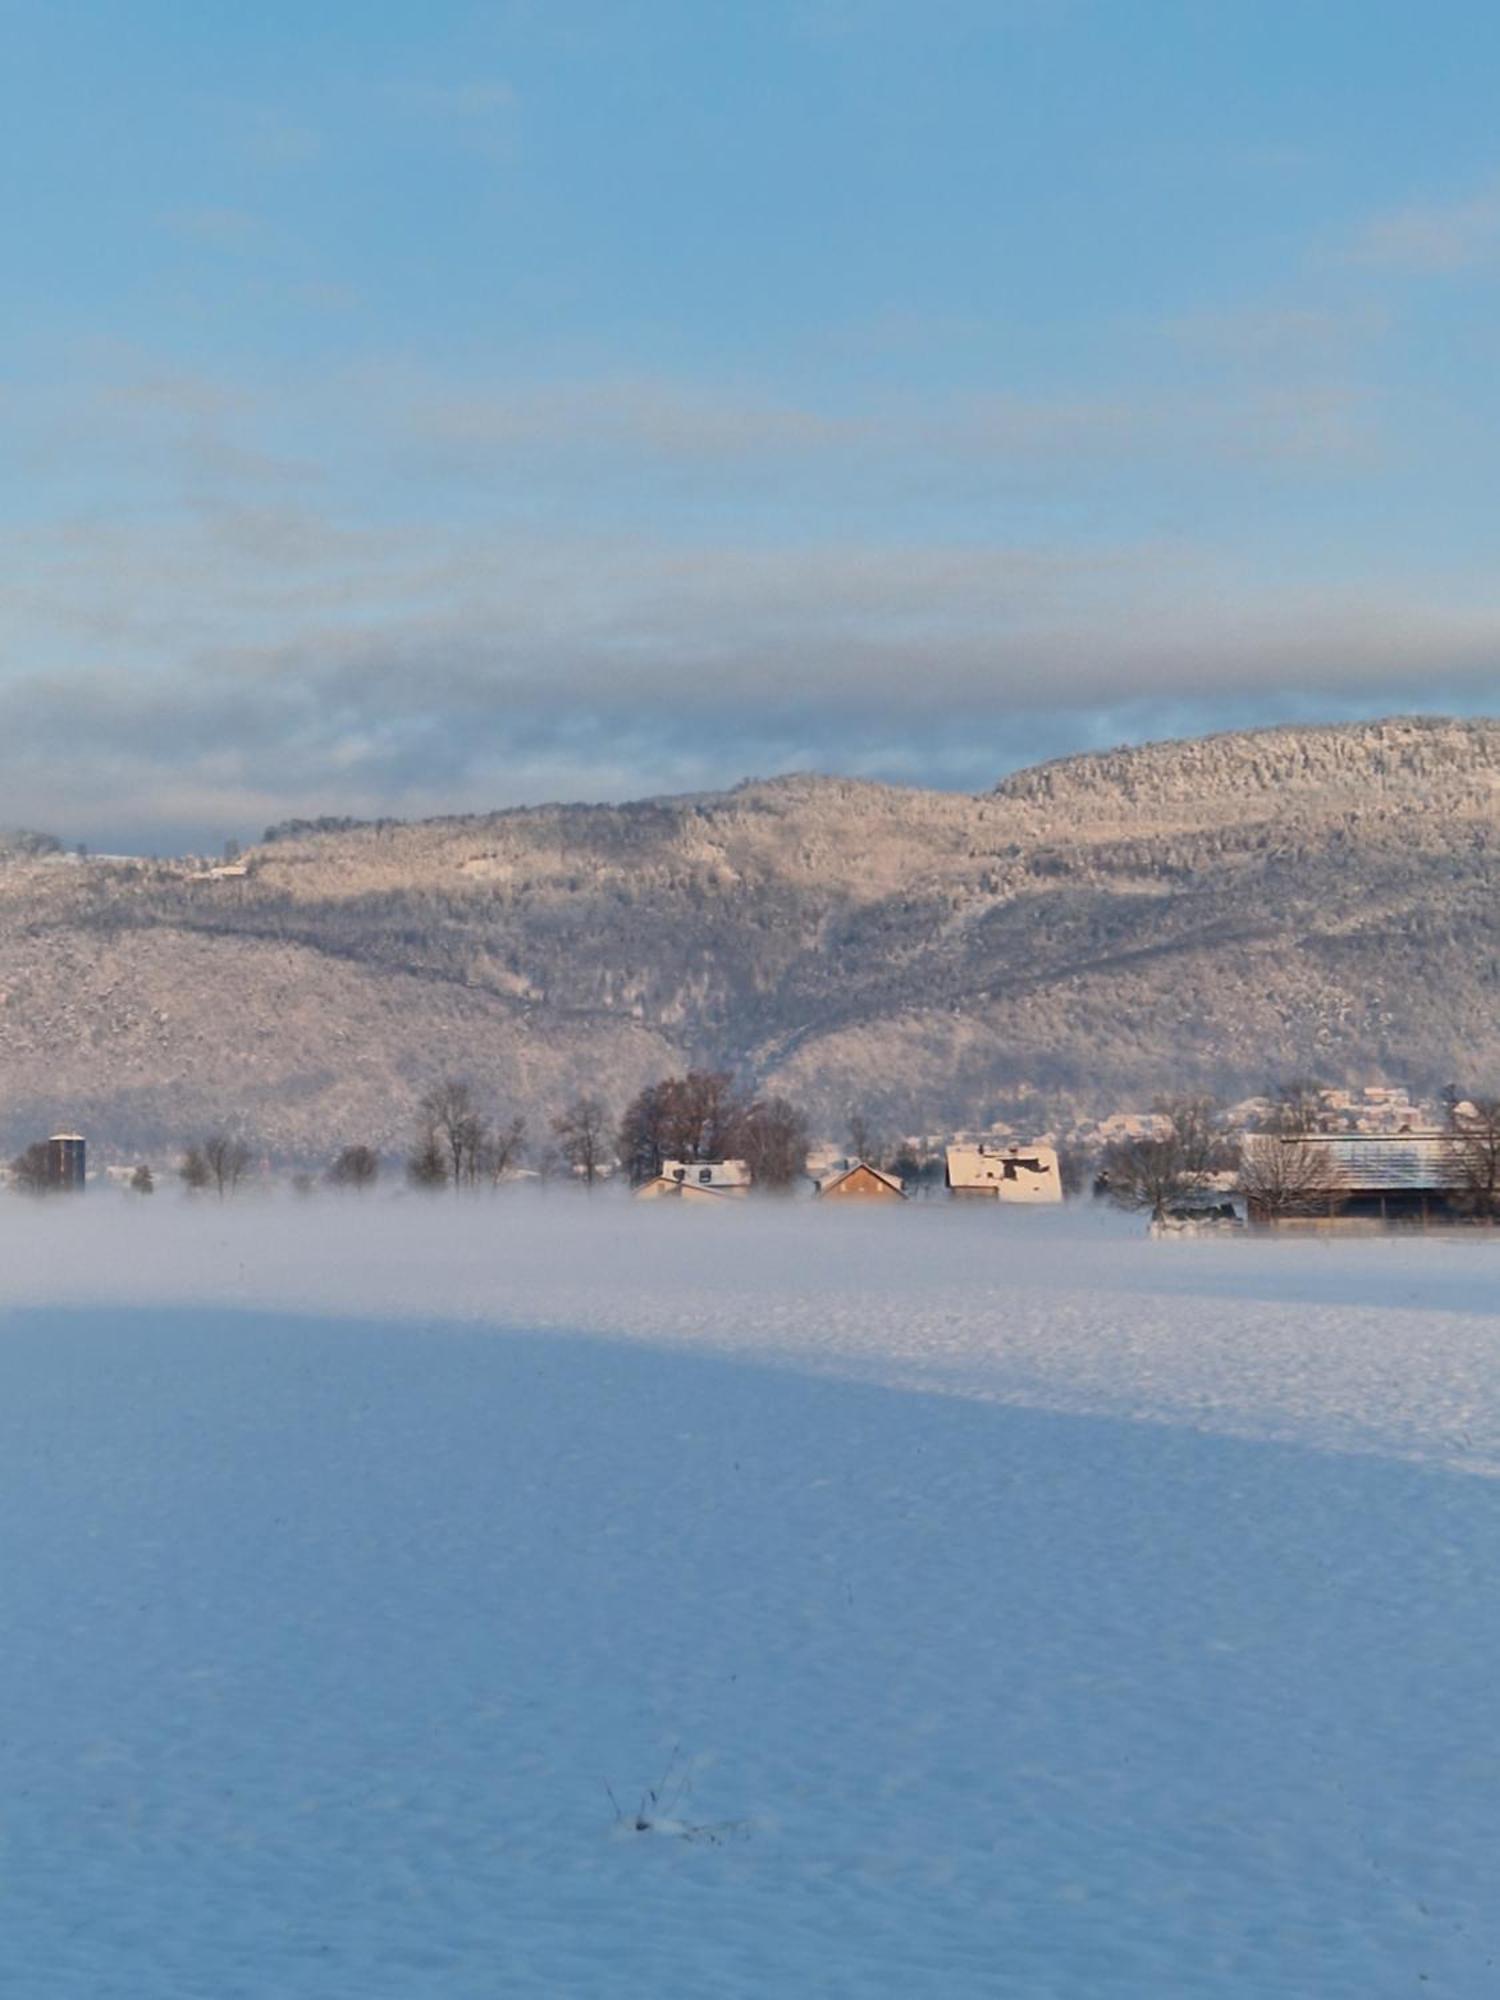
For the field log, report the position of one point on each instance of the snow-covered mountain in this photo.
(1212, 912)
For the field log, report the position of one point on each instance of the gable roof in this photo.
(852, 1167)
(1381, 1163)
(666, 1187)
(716, 1174)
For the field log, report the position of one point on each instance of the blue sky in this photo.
(408, 409)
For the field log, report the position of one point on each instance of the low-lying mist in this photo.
(1368, 1344)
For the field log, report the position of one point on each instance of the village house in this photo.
(715, 1180)
(857, 1180)
(1005, 1173)
(662, 1189)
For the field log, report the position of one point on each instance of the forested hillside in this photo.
(1098, 929)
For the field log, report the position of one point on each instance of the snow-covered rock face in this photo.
(553, 1600)
(1182, 915)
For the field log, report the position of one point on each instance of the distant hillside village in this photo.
(1302, 1157)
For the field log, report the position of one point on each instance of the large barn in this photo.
(1323, 1178)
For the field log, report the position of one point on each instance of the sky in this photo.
(423, 408)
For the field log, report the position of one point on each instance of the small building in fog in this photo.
(697, 1180)
(666, 1187)
(1004, 1173)
(857, 1180)
(730, 1177)
(66, 1161)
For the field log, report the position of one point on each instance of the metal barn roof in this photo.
(1387, 1163)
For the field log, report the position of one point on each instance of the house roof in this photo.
(666, 1187)
(1387, 1163)
(993, 1166)
(708, 1173)
(852, 1167)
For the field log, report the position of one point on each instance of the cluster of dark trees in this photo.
(219, 1162)
(705, 1116)
(31, 1171)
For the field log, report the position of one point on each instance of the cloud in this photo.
(481, 115)
(228, 229)
(1283, 336)
(278, 143)
(325, 295)
(461, 100)
(561, 429)
(1431, 239)
(246, 601)
(382, 675)
(588, 418)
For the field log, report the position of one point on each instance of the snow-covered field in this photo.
(996, 1605)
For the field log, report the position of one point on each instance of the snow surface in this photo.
(996, 1604)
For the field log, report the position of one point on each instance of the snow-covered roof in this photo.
(716, 1174)
(846, 1169)
(664, 1187)
(993, 1167)
(1387, 1163)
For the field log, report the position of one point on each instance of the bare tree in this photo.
(355, 1167)
(1173, 1165)
(863, 1142)
(581, 1131)
(1076, 1167)
(451, 1123)
(500, 1150)
(1296, 1107)
(642, 1142)
(426, 1164)
(919, 1172)
(226, 1158)
(773, 1144)
(31, 1171)
(1281, 1175)
(1476, 1152)
(704, 1115)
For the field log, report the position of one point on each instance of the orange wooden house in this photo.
(857, 1180)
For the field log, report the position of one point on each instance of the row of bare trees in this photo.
(457, 1146)
(702, 1116)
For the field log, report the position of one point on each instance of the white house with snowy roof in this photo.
(1018, 1173)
